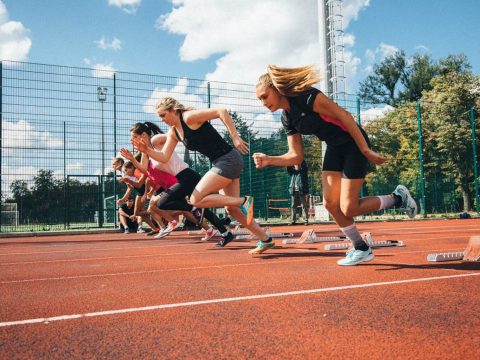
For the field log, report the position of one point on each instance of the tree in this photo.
(381, 87)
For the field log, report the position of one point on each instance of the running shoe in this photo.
(262, 247)
(198, 214)
(126, 230)
(153, 232)
(211, 232)
(408, 203)
(140, 230)
(355, 257)
(225, 240)
(164, 232)
(247, 209)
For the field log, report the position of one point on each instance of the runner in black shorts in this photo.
(221, 185)
(308, 111)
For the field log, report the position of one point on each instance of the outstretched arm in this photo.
(292, 157)
(162, 155)
(195, 119)
(326, 107)
(129, 156)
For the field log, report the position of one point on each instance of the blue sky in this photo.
(228, 40)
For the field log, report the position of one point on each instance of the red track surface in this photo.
(178, 297)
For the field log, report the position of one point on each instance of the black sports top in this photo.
(206, 140)
(302, 119)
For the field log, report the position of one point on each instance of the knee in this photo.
(332, 206)
(349, 209)
(195, 198)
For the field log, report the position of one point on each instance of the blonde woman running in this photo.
(308, 111)
(219, 187)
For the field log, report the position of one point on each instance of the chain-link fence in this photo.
(62, 126)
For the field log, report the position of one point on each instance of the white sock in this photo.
(386, 201)
(354, 236)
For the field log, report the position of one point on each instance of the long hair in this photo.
(290, 81)
(169, 104)
(146, 127)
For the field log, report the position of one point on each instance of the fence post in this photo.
(359, 122)
(420, 156)
(1, 142)
(115, 147)
(64, 176)
(474, 154)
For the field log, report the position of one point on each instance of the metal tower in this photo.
(331, 34)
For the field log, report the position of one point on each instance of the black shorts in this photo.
(141, 190)
(347, 159)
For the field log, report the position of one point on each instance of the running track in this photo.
(122, 296)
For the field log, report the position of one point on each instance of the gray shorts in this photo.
(229, 165)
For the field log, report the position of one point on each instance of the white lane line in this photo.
(155, 271)
(423, 230)
(226, 300)
(109, 249)
(218, 266)
(182, 244)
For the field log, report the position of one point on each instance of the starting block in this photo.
(309, 237)
(471, 253)
(451, 256)
(373, 244)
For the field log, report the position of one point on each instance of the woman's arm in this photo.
(196, 118)
(129, 156)
(292, 157)
(326, 107)
(162, 155)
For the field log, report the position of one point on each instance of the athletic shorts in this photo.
(347, 159)
(229, 165)
(140, 191)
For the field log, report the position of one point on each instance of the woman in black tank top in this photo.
(307, 111)
(219, 187)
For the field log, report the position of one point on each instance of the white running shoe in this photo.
(211, 232)
(408, 202)
(140, 230)
(355, 257)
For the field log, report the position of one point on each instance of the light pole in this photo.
(102, 97)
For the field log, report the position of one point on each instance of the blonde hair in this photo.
(290, 81)
(169, 104)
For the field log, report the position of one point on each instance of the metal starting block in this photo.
(448, 256)
(272, 235)
(373, 244)
(309, 237)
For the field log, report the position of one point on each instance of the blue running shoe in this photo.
(247, 209)
(262, 247)
(408, 203)
(355, 257)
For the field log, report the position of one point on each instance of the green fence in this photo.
(61, 126)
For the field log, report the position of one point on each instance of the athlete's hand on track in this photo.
(241, 145)
(374, 157)
(472, 252)
(260, 160)
(126, 154)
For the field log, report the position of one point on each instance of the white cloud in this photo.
(15, 42)
(11, 173)
(351, 9)
(103, 70)
(422, 48)
(386, 50)
(128, 6)
(236, 32)
(115, 44)
(21, 134)
(375, 113)
(75, 166)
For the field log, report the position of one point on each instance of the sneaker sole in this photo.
(369, 258)
(260, 250)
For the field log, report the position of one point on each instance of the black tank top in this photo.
(206, 140)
